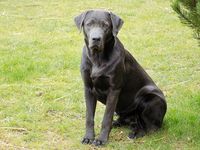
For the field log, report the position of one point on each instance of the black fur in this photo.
(112, 76)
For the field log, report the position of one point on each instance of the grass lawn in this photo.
(41, 91)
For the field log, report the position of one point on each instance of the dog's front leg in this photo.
(90, 112)
(108, 117)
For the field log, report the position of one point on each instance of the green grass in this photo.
(41, 92)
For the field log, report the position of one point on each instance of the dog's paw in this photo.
(87, 141)
(135, 135)
(131, 135)
(98, 142)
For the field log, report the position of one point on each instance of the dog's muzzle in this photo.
(96, 40)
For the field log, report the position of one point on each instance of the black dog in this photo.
(112, 76)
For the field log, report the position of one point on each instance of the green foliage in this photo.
(189, 13)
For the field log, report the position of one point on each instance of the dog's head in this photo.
(98, 26)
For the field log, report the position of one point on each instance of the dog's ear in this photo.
(80, 19)
(117, 23)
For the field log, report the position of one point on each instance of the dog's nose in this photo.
(96, 39)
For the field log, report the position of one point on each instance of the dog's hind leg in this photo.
(137, 127)
(151, 112)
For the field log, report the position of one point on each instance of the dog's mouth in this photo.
(95, 48)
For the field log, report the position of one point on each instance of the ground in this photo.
(41, 91)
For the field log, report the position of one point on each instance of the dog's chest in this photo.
(99, 78)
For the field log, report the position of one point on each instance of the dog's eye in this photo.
(89, 24)
(105, 24)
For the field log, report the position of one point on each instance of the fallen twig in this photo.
(159, 139)
(179, 83)
(15, 128)
(60, 98)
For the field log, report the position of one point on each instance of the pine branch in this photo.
(189, 17)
